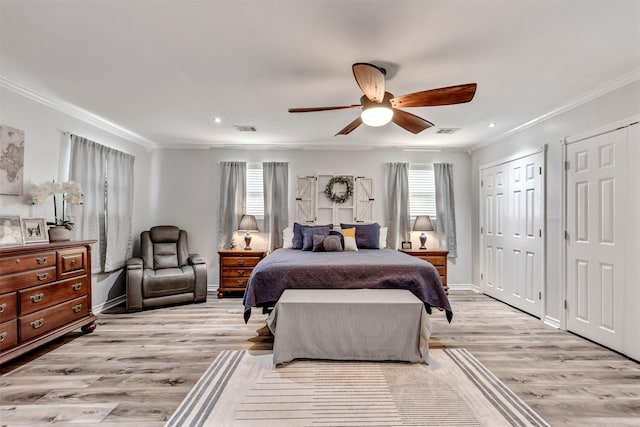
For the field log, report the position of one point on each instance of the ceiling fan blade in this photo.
(311, 109)
(443, 96)
(410, 122)
(370, 79)
(350, 127)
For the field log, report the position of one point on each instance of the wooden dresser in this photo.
(437, 258)
(45, 292)
(235, 268)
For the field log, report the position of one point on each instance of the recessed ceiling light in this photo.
(492, 125)
(217, 120)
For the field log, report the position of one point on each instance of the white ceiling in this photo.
(164, 69)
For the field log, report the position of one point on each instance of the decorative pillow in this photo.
(287, 238)
(383, 237)
(340, 237)
(330, 243)
(350, 239)
(298, 238)
(307, 236)
(367, 235)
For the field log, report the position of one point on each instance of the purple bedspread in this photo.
(367, 268)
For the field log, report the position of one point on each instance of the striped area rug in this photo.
(242, 389)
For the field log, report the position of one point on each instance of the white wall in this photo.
(42, 126)
(609, 108)
(186, 190)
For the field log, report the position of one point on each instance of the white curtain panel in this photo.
(233, 187)
(119, 208)
(397, 206)
(87, 168)
(276, 202)
(445, 208)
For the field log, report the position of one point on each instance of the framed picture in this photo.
(406, 245)
(10, 230)
(34, 230)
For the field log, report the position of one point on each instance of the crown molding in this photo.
(597, 92)
(77, 113)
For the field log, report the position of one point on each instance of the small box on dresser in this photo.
(437, 258)
(235, 268)
(45, 292)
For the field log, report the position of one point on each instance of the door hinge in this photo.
(539, 295)
(481, 183)
(540, 169)
(566, 165)
(540, 232)
(298, 198)
(481, 276)
(566, 235)
(565, 304)
(481, 230)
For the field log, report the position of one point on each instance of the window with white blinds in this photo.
(255, 190)
(422, 191)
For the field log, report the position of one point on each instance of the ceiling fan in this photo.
(380, 107)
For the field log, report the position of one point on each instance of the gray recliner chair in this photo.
(165, 273)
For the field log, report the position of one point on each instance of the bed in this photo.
(364, 269)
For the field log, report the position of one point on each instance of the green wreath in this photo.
(339, 198)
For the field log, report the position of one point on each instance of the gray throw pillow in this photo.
(307, 235)
(329, 243)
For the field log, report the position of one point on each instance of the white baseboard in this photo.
(464, 287)
(109, 304)
(550, 321)
(212, 287)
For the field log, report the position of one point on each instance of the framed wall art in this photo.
(11, 160)
(34, 230)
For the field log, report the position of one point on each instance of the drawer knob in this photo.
(76, 286)
(41, 260)
(37, 323)
(240, 272)
(240, 262)
(3, 335)
(42, 276)
(17, 260)
(74, 261)
(36, 297)
(77, 308)
(241, 282)
(3, 307)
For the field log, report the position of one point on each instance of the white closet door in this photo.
(512, 212)
(596, 192)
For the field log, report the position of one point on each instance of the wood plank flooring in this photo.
(135, 369)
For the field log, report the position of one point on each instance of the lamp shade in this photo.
(248, 223)
(423, 223)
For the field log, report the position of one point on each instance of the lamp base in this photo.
(423, 241)
(247, 241)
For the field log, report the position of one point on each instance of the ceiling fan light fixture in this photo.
(376, 116)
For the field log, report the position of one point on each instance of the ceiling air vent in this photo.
(245, 128)
(448, 131)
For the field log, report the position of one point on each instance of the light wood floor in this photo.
(135, 369)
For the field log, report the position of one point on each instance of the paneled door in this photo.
(595, 238)
(512, 215)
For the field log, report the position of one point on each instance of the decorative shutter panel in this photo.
(363, 197)
(305, 199)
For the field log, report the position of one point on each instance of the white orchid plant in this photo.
(69, 192)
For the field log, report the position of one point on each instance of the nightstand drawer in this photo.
(240, 261)
(235, 283)
(436, 261)
(236, 272)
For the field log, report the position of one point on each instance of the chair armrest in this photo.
(134, 264)
(196, 259)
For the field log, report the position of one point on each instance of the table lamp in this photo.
(423, 223)
(248, 223)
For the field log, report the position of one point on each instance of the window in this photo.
(255, 190)
(422, 191)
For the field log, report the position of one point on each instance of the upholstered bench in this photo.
(349, 324)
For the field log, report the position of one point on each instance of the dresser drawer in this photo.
(235, 282)
(236, 272)
(39, 297)
(8, 307)
(43, 321)
(72, 262)
(246, 261)
(8, 334)
(18, 264)
(28, 278)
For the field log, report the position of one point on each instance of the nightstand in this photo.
(235, 268)
(437, 257)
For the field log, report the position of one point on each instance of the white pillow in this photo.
(287, 238)
(383, 237)
(350, 244)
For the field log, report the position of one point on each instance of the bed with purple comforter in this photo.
(366, 268)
